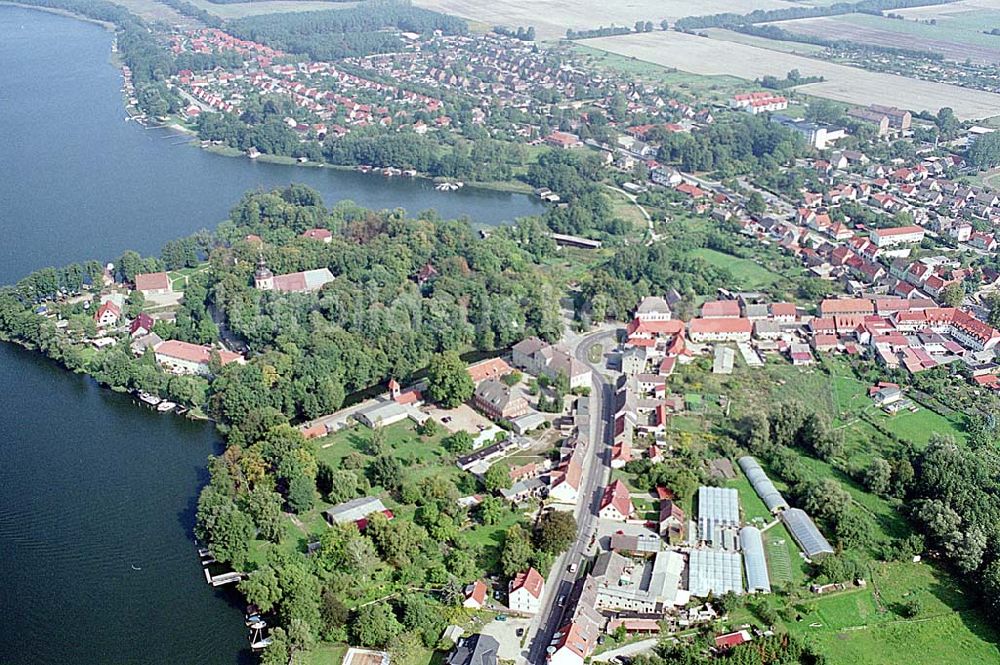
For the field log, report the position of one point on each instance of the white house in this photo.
(525, 592)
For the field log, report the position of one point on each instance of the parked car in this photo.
(572, 567)
(501, 617)
(561, 601)
(519, 632)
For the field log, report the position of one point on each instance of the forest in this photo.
(744, 144)
(339, 33)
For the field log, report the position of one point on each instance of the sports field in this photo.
(705, 56)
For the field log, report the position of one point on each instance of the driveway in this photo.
(633, 649)
(505, 633)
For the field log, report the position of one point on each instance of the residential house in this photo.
(152, 284)
(185, 358)
(616, 503)
(524, 594)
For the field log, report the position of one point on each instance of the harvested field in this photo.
(956, 37)
(154, 12)
(551, 18)
(942, 11)
(705, 56)
(762, 42)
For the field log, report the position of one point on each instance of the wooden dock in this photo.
(224, 578)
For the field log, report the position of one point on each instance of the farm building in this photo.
(718, 509)
(753, 556)
(765, 489)
(714, 572)
(805, 533)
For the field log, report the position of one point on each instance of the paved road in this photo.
(595, 476)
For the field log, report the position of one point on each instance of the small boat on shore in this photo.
(148, 399)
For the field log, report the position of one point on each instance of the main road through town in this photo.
(596, 470)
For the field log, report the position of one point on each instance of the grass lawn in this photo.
(595, 354)
(326, 654)
(860, 627)
(688, 424)
(784, 565)
(747, 272)
(179, 278)
(402, 440)
(753, 507)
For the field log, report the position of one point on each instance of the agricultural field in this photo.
(710, 88)
(704, 56)
(241, 9)
(763, 42)
(551, 18)
(155, 12)
(944, 11)
(956, 37)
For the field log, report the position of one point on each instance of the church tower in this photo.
(263, 278)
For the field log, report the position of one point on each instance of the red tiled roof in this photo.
(530, 580)
(493, 368)
(708, 326)
(318, 234)
(717, 308)
(730, 640)
(846, 306)
(783, 309)
(616, 494)
(151, 281)
(193, 352)
(477, 592)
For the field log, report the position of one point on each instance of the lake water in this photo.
(92, 486)
(78, 182)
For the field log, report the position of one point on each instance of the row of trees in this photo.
(522, 33)
(730, 20)
(780, 34)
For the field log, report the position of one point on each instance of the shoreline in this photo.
(111, 27)
(508, 187)
(193, 414)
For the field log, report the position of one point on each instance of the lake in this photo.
(93, 487)
(79, 182)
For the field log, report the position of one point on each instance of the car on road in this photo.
(501, 617)
(572, 567)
